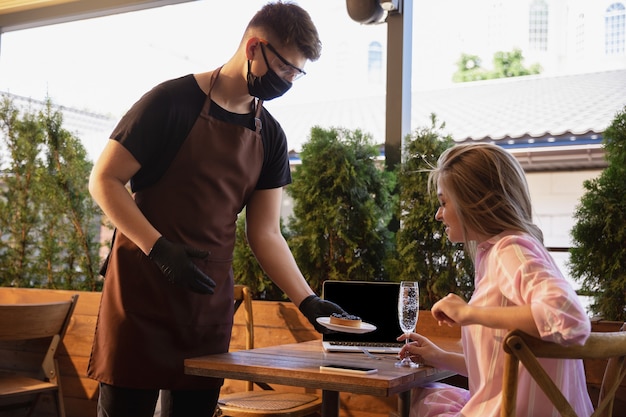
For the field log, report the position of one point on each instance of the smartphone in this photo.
(348, 369)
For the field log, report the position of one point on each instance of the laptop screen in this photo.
(375, 302)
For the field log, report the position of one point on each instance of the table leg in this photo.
(404, 403)
(330, 403)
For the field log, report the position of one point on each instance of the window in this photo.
(580, 34)
(538, 26)
(375, 63)
(615, 29)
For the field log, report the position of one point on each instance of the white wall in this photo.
(555, 196)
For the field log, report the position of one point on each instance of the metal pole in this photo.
(398, 100)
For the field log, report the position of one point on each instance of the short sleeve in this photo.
(276, 171)
(155, 127)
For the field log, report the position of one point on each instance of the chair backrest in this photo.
(521, 347)
(22, 322)
(243, 297)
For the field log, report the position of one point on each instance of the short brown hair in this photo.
(291, 25)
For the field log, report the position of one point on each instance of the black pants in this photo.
(130, 402)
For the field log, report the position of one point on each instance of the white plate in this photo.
(365, 327)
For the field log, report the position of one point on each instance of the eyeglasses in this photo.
(284, 68)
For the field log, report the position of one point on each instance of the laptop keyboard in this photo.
(366, 344)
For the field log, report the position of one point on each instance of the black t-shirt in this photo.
(156, 126)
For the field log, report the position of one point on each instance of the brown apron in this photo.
(146, 326)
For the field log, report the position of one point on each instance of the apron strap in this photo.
(257, 115)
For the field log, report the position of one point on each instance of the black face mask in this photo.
(268, 86)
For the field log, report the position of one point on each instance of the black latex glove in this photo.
(313, 307)
(174, 260)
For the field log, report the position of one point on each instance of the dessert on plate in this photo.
(345, 320)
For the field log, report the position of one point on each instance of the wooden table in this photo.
(298, 364)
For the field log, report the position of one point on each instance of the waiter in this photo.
(196, 150)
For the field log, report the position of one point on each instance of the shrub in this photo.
(598, 256)
(424, 254)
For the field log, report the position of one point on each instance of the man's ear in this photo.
(252, 45)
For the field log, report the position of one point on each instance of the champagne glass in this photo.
(408, 310)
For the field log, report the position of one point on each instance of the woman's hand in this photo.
(451, 310)
(421, 350)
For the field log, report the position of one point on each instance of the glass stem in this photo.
(406, 342)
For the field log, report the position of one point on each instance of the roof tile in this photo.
(502, 109)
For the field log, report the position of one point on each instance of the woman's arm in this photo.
(453, 310)
(422, 350)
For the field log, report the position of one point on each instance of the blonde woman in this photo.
(485, 204)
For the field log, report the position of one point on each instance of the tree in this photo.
(342, 205)
(469, 69)
(424, 254)
(19, 207)
(49, 221)
(598, 258)
(510, 64)
(505, 64)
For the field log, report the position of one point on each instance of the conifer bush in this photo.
(49, 224)
(424, 253)
(343, 203)
(598, 255)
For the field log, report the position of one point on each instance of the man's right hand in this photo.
(174, 260)
(313, 307)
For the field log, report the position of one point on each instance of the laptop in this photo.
(376, 303)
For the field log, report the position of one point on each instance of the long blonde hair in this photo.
(489, 189)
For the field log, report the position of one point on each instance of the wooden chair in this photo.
(519, 346)
(265, 402)
(34, 331)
